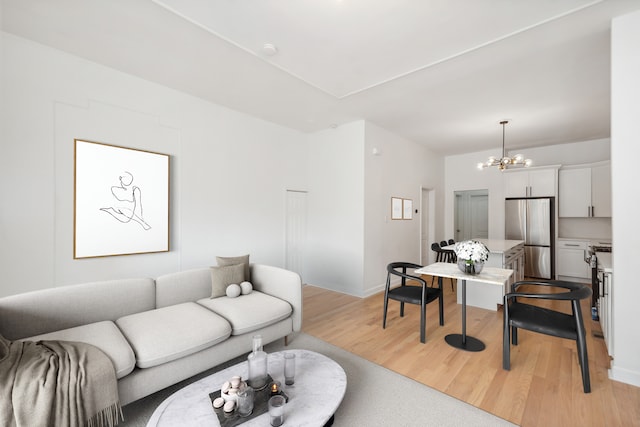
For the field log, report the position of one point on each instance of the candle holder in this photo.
(275, 388)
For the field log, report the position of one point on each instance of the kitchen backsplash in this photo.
(584, 228)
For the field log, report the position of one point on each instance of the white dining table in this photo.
(491, 275)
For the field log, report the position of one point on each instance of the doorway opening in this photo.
(471, 213)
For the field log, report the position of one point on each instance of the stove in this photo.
(591, 257)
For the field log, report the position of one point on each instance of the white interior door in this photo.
(471, 212)
(479, 210)
(296, 231)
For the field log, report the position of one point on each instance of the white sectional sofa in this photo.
(159, 331)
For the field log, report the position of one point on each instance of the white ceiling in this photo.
(442, 73)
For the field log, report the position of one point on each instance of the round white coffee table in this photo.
(320, 384)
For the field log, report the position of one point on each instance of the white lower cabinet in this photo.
(490, 296)
(514, 260)
(570, 263)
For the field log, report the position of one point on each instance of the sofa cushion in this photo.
(221, 277)
(169, 333)
(250, 312)
(233, 260)
(104, 335)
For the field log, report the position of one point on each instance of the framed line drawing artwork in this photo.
(407, 209)
(396, 208)
(121, 201)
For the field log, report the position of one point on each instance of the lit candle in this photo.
(275, 387)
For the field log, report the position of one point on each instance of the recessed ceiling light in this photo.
(269, 49)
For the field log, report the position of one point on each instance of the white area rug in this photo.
(375, 395)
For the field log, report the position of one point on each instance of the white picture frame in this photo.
(396, 208)
(407, 209)
(121, 200)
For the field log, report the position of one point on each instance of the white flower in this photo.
(472, 251)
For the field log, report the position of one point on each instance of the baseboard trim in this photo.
(624, 376)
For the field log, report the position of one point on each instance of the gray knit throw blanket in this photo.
(56, 383)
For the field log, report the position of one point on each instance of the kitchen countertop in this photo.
(500, 246)
(595, 241)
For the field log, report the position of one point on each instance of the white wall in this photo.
(336, 209)
(229, 170)
(400, 169)
(351, 236)
(625, 150)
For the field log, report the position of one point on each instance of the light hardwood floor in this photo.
(543, 387)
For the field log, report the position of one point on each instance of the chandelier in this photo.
(505, 161)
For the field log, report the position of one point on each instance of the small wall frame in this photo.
(401, 208)
(407, 209)
(396, 208)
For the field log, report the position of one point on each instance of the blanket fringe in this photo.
(108, 417)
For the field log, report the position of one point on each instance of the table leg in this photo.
(462, 341)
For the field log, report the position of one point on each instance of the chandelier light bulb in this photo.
(505, 161)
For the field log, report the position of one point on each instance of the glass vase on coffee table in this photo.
(257, 361)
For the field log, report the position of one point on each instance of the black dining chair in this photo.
(449, 255)
(454, 258)
(412, 290)
(523, 315)
(441, 256)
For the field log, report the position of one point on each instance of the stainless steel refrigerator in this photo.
(532, 220)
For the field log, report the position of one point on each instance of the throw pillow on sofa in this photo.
(221, 277)
(244, 260)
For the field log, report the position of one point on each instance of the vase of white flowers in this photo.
(472, 255)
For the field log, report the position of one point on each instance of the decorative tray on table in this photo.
(260, 401)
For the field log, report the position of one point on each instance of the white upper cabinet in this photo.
(574, 192)
(601, 191)
(530, 183)
(585, 192)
